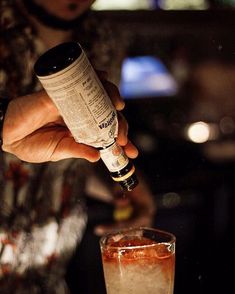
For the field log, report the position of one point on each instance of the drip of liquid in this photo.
(124, 209)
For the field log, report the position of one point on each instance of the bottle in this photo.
(71, 82)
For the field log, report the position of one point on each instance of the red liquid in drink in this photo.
(138, 265)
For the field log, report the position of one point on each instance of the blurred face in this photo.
(65, 9)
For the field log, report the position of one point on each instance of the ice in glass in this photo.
(139, 261)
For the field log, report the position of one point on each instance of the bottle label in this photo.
(83, 103)
(114, 157)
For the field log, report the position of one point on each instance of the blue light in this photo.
(146, 76)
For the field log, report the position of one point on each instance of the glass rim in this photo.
(121, 231)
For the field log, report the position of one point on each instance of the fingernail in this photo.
(122, 105)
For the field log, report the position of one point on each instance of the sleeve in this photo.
(17, 52)
(7, 23)
(3, 74)
(3, 108)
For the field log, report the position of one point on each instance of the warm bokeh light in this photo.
(198, 132)
(122, 4)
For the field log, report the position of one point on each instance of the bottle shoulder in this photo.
(57, 58)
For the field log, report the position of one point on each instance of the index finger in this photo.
(111, 89)
(114, 95)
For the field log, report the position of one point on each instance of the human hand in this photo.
(34, 131)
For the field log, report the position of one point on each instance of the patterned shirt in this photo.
(42, 211)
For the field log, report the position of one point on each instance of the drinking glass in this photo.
(139, 260)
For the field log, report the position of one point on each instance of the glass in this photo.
(139, 261)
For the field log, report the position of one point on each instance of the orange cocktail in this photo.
(139, 261)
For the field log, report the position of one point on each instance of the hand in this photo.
(135, 209)
(34, 131)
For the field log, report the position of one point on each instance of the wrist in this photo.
(3, 109)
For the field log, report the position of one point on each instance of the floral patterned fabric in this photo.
(42, 211)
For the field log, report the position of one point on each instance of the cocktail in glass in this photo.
(139, 261)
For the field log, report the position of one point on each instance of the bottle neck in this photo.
(107, 146)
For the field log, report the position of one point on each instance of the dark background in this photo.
(194, 192)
